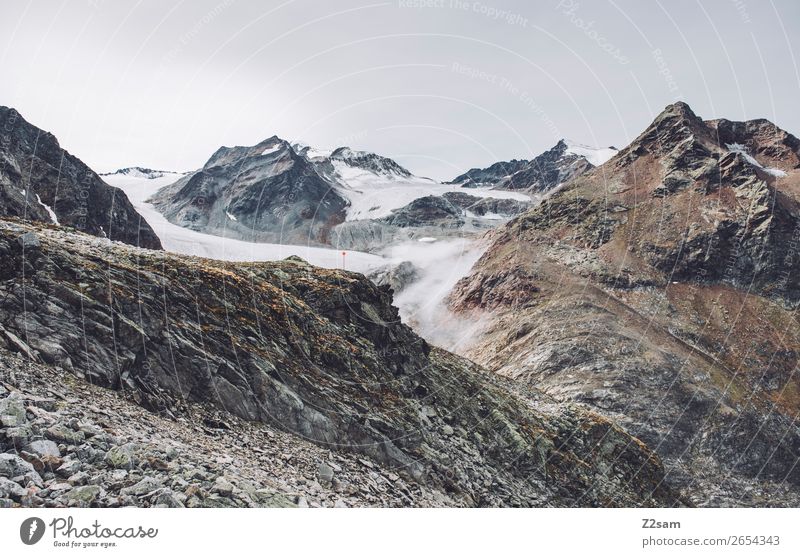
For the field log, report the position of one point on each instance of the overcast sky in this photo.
(440, 86)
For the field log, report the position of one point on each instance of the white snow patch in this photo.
(427, 239)
(230, 216)
(594, 155)
(53, 216)
(272, 149)
(742, 150)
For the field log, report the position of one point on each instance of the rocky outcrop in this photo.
(486, 206)
(439, 217)
(64, 452)
(265, 193)
(397, 277)
(318, 353)
(41, 181)
(659, 290)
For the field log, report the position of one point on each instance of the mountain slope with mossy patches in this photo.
(318, 353)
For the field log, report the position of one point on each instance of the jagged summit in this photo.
(691, 145)
(272, 147)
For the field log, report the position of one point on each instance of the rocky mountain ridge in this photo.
(294, 194)
(264, 193)
(42, 182)
(659, 290)
(140, 172)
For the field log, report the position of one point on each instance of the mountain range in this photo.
(626, 335)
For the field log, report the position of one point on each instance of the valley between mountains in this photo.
(291, 326)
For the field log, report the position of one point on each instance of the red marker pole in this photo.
(344, 253)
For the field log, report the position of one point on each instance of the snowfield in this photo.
(372, 196)
(270, 150)
(181, 240)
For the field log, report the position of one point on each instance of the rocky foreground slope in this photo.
(319, 354)
(70, 443)
(40, 181)
(660, 290)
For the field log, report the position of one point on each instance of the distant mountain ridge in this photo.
(556, 166)
(276, 191)
(265, 192)
(140, 172)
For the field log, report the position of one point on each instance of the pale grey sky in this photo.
(439, 85)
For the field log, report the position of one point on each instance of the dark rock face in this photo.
(491, 175)
(208, 458)
(265, 193)
(660, 292)
(397, 277)
(548, 170)
(319, 353)
(450, 215)
(431, 210)
(36, 173)
(450, 210)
